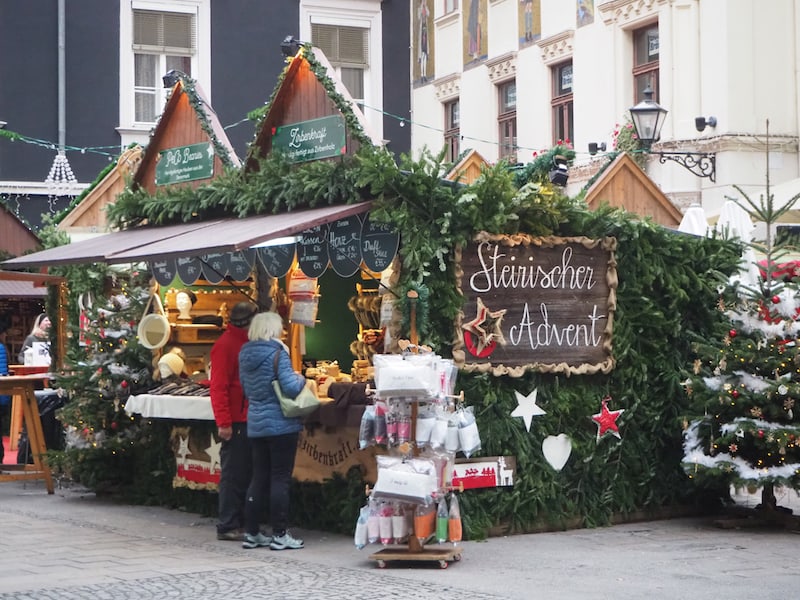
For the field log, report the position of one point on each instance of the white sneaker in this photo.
(258, 540)
(285, 542)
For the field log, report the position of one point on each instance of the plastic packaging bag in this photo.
(468, 435)
(360, 536)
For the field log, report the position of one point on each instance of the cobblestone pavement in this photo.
(73, 545)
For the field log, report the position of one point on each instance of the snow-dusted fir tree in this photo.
(746, 384)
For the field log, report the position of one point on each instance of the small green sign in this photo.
(311, 140)
(185, 163)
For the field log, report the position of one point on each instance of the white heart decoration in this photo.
(556, 449)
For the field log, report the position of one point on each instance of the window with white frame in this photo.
(452, 130)
(646, 61)
(351, 37)
(450, 6)
(155, 37)
(507, 120)
(563, 121)
(162, 41)
(347, 49)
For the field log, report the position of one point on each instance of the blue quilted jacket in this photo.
(256, 372)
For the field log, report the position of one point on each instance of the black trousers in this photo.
(273, 463)
(235, 460)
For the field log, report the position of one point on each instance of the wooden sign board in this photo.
(544, 304)
(485, 472)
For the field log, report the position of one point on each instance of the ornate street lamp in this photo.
(648, 117)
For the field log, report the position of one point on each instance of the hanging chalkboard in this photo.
(189, 269)
(277, 260)
(344, 245)
(164, 271)
(249, 254)
(312, 251)
(379, 244)
(239, 268)
(215, 266)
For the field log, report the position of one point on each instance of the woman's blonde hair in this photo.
(266, 326)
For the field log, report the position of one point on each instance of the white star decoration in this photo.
(526, 407)
(213, 453)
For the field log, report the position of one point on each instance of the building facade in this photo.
(510, 78)
(81, 81)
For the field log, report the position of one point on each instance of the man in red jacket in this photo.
(230, 414)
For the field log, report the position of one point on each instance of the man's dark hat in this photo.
(242, 314)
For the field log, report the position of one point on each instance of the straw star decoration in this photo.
(486, 327)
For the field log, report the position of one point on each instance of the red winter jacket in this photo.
(227, 397)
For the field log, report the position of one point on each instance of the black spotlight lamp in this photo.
(172, 77)
(594, 147)
(290, 46)
(559, 174)
(700, 123)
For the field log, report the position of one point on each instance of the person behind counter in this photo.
(39, 333)
(230, 413)
(273, 437)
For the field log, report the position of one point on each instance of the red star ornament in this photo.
(607, 419)
(485, 331)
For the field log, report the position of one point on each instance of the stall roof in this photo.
(187, 239)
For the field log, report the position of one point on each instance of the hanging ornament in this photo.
(556, 450)
(526, 408)
(483, 333)
(607, 419)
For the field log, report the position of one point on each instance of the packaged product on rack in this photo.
(373, 523)
(360, 536)
(385, 514)
(468, 435)
(366, 432)
(451, 443)
(426, 419)
(439, 432)
(408, 375)
(399, 524)
(424, 522)
(412, 480)
(442, 520)
(380, 422)
(454, 532)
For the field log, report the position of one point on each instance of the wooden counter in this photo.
(23, 387)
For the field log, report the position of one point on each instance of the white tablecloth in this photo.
(170, 407)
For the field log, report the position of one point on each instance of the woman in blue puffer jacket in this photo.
(273, 437)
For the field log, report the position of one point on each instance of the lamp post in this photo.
(648, 117)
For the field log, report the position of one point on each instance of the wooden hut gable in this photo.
(468, 169)
(623, 184)
(309, 89)
(89, 216)
(15, 237)
(188, 119)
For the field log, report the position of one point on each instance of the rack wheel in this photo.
(381, 564)
(457, 557)
(443, 564)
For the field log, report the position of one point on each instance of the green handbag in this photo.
(303, 405)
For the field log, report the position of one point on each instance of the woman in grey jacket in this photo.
(273, 437)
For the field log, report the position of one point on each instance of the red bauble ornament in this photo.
(732, 333)
(735, 393)
(776, 299)
(123, 384)
(761, 433)
(114, 425)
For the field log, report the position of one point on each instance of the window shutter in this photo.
(164, 32)
(342, 45)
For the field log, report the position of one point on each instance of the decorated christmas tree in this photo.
(745, 384)
(104, 365)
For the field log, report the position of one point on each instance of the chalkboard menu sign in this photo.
(344, 246)
(277, 260)
(542, 304)
(215, 266)
(379, 244)
(164, 271)
(239, 267)
(249, 254)
(312, 251)
(189, 269)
